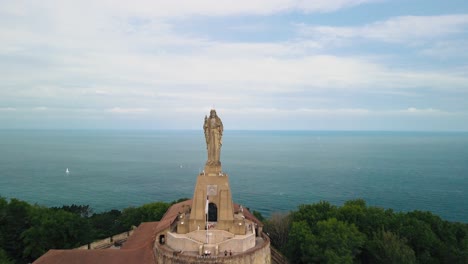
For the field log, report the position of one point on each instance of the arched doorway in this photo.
(212, 212)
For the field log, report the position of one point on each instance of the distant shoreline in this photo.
(197, 130)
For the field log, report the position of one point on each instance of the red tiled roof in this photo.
(248, 214)
(137, 249)
(171, 214)
(142, 236)
(142, 255)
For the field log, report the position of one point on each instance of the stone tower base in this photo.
(260, 254)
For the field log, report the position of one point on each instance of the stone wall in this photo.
(219, 241)
(238, 244)
(181, 242)
(256, 255)
(216, 236)
(108, 242)
(277, 257)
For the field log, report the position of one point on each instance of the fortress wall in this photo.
(237, 244)
(215, 237)
(107, 242)
(257, 255)
(182, 243)
(224, 240)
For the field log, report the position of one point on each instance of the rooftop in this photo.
(137, 249)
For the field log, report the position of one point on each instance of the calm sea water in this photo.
(269, 170)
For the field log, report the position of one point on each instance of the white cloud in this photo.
(122, 79)
(132, 56)
(175, 8)
(100, 54)
(447, 49)
(425, 111)
(119, 110)
(7, 109)
(102, 92)
(397, 29)
(277, 74)
(40, 108)
(227, 7)
(255, 50)
(343, 112)
(273, 67)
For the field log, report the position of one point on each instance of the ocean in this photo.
(269, 171)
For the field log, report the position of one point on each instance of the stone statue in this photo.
(213, 134)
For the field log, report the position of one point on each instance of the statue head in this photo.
(213, 113)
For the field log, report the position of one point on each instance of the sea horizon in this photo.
(235, 130)
(115, 169)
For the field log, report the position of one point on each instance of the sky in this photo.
(262, 64)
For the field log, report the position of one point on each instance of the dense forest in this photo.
(314, 233)
(357, 233)
(28, 231)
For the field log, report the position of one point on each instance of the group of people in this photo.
(207, 253)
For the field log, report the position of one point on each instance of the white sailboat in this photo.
(67, 171)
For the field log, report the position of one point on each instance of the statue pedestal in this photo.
(213, 170)
(216, 188)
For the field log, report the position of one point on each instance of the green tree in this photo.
(3, 220)
(107, 224)
(386, 247)
(148, 212)
(420, 237)
(367, 219)
(353, 211)
(4, 258)
(300, 247)
(278, 227)
(433, 239)
(455, 243)
(14, 220)
(258, 215)
(332, 242)
(179, 200)
(338, 242)
(54, 229)
(313, 213)
(81, 210)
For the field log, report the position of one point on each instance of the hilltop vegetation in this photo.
(28, 231)
(314, 233)
(354, 232)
